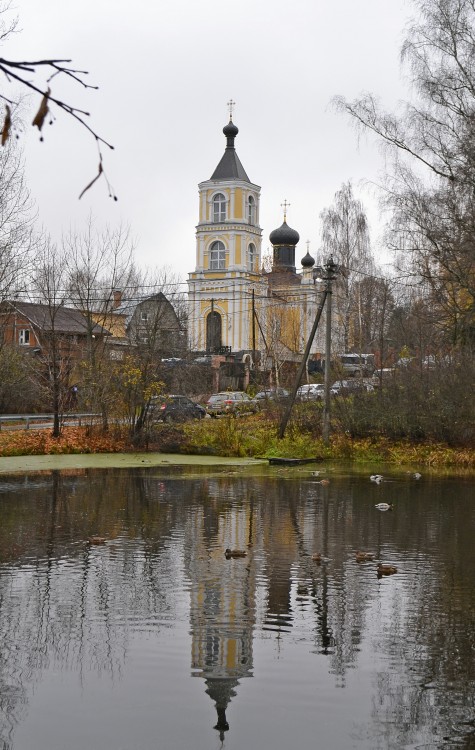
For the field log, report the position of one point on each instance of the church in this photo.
(237, 309)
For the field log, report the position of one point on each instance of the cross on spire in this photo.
(231, 104)
(285, 206)
(308, 246)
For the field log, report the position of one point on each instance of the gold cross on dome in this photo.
(231, 104)
(285, 206)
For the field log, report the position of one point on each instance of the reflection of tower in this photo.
(280, 544)
(222, 608)
(221, 691)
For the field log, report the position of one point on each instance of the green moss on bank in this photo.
(246, 438)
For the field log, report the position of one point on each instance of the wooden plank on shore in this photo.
(292, 461)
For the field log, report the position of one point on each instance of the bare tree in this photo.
(98, 270)
(16, 224)
(157, 331)
(17, 243)
(345, 237)
(431, 186)
(372, 303)
(54, 364)
(36, 76)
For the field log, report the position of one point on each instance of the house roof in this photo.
(128, 308)
(115, 323)
(60, 319)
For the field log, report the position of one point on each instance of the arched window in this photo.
(219, 208)
(217, 256)
(213, 332)
(251, 210)
(251, 257)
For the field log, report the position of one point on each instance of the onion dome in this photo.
(284, 235)
(307, 261)
(230, 130)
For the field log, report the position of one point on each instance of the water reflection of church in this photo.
(276, 588)
(222, 607)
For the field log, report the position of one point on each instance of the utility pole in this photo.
(328, 274)
(302, 367)
(253, 326)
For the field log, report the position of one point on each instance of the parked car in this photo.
(355, 365)
(178, 409)
(311, 392)
(343, 387)
(273, 394)
(231, 402)
(348, 387)
(384, 375)
(405, 362)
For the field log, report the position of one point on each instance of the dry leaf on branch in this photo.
(39, 118)
(6, 125)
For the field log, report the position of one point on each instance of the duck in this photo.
(386, 570)
(416, 475)
(325, 482)
(376, 478)
(229, 553)
(96, 540)
(361, 556)
(384, 506)
(315, 473)
(318, 558)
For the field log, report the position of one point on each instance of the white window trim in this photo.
(222, 259)
(24, 337)
(251, 256)
(251, 212)
(225, 203)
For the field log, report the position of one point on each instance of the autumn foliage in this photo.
(72, 440)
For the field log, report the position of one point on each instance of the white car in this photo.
(311, 392)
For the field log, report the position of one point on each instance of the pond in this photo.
(153, 639)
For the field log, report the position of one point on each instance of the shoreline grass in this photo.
(240, 438)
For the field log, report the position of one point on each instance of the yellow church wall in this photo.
(231, 654)
(289, 323)
(238, 250)
(238, 203)
(220, 305)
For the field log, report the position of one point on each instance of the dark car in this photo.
(231, 402)
(178, 409)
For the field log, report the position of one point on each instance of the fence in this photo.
(38, 420)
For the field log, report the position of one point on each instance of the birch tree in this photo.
(345, 237)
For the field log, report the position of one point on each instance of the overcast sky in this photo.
(166, 69)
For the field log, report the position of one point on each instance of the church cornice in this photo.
(231, 227)
(229, 183)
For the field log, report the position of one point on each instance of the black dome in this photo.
(230, 130)
(307, 261)
(284, 235)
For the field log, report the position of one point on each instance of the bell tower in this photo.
(228, 256)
